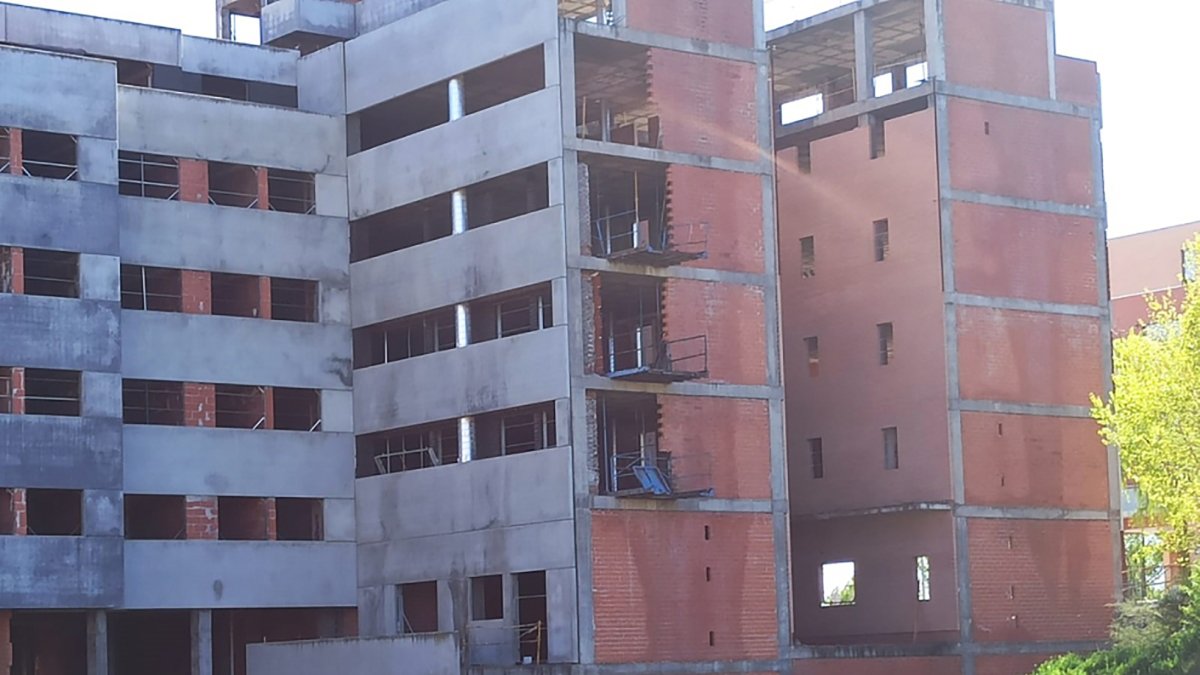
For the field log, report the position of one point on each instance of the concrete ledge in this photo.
(232, 462)
(53, 92)
(58, 572)
(59, 215)
(435, 654)
(85, 333)
(240, 61)
(92, 35)
(328, 18)
(42, 451)
(241, 574)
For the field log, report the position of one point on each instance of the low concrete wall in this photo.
(43, 451)
(57, 572)
(85, 333)
(59, 215)
(435, 654)
(62, 94)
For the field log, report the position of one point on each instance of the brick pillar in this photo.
(17, 507)
(264, 197)
(193, 180)
(264, 297)
(272, 527)
(15, 152)
(598, 322)
(17, 391)
(202, 518)
(5, 642)
(199, 405)
(196, 292)
(16, 269)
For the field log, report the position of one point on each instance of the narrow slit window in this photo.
(887, 344)
(813, 346)
(923, 577)
(882, 240)
(891, 449)
(808, 258)
(878, 137)
(804, 157)
(837, 584)
(817, 454)
(487, 598)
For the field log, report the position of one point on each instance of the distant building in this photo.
(1147, 262)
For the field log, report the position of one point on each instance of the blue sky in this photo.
(1152, 146)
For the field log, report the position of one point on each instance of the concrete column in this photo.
(462, 312)
(202, 648)
(864, 57)
(466, 439)
(97, 643)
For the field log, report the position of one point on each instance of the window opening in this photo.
(803, 108)
(8, 393)
(813, 346)
(400, 228)
(804, 157)
(404, 338)
(418, 607)
(146, 175)
(57, 513)
(51, 273)
(878, 137)
(487, 598)
(5, 150)
(882, 241)
(837, 584)
(157, 289)
(296, 409)
(887, 344)
(47, 155)
(236, 295)
(515, 314)
(299, 519)
(232, 185)
(155, 517)
(1189, 265)
(513, 432)
(633, 464)
(532, 616)
(408, 449)
(891, 449)
(293, 300)
(152, 402)
(631, 218)
(51, 392)
(923, 579)
(808, 258)
(635, 347)
(291, 191)
(243, 518)
(817, 454)
(240, 407)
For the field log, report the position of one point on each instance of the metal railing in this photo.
(134, 182)
(36, 168)
(396, 461)
(643, 349)
(306, 187)
(649, 472)
(625, 231)
(643, 131)
(242, 200)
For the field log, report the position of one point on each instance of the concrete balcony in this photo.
(450, 270)
(307, 25)
(242, 574)
(42, 451)
(57, 572)
(86, 333)
(174, 460)
(506, 373)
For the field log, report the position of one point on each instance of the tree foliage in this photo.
(1153, 415)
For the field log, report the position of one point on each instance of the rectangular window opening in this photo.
(240, 407)
(5, 149)
(51, 273)
(8, 393)
(243, 518)
(817, 453)
(408, 449)
(57, 513)
(296, 409)
(405, 338)
(887, 344)
(837, 584)
(808, 258)
(291, 191)
(236, 295)
(418, 607)
(508, 196)
(144, 175)
(878, 137)
(293, 300)
(532, 615)
(299, 519)
(522, 312)
(52, 392)
(801, 109)
(400, 228)
(891, 449)
(813, 346)
(882, 241)
(158, 517)
(157, 289)
(804, 157)
(232, 184)
(47, 155)
(487, 598)
(923, 578)
(152, 402)
(512, 432)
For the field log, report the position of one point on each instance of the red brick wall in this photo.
(1009, 665)
(199, 405)
(948, 665)
(1077, 80)
(16, 261)
(5, 642)
(193, 180)
(264, 198)
(652, 600)
(730, 315)
(722, 207)
(997, 45)
(16, 402)
(13, 512)
(264, 297)
(1023, 460)
(1022, 153)
(196, 292)
(15, 151)
(730, 21)
(1040, 580)
(1029, 357)
(724, 443)
(202, 518)
(707, 105)
(1017, 253)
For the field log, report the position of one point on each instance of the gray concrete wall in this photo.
(92, 35)
(236, 60)
(84, 334)
(235, 350)
(52, 92)
(203, 127)
(65, 452)
(56, 572)
(214, 574)
(493, 259)
(322, 81)
(226, 239)
(447, 39)
(317, 17)
(495, 375)
(59, 215)
(373, 14)
(196, 461)
(417, 654)
(490, 143)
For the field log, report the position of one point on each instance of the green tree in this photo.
(1153, 415)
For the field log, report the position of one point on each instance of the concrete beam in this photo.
(697, 505)
(712, 389)
(88, 333)
(854, 110)
(58, 93)
(1025, 305)
(1017, 101)
(1028, 513)
(59, 215)
(79, 33)
(764, 166)
(583, 262)
(225, 58)
(1007, 408)
(40, 451)
(696, 47)
(55, 572)
(969, 197)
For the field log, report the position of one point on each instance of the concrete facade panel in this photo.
(233, 462)
(1041, 580)
(540, 546)
(1027, 154)
(653, 600)
(884, 551)
(450, 270)
(435, 654)
(728, 21)
(103, 513)
(451, 37)
(216, 574)
(101, 394)
(1001, 46)
(1028, 357)
(92, 35)
(457, 154)
(226, 239)
(87, 333)
(507, 373)
(263, 135)
(239, 61)
(1023, 460)
(320, 78)
(234, 350)
(100, 277)
(56, 572)
(39, 451)
(59, 215)
(1015, 253)
(327, 18)
(491, 494)
(62, 94)
(97, 160)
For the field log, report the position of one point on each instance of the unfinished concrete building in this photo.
(457, 325)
